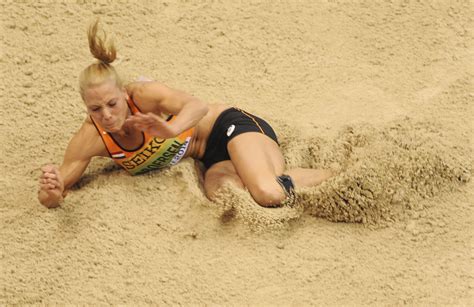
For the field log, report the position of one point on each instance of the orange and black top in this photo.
(153, 153)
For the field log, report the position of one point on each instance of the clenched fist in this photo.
(51, 186)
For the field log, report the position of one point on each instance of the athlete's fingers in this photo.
(48, 186)
(47, 168)
(50, 178)
(50, 175)
(135, 120)
(147, 115)
(155, 118)
(143, 123)
(149, 121)
(49, 172)
(138, 116)
(51, 185)
(144, 120)
(52, 181)
(147, 124)
(140, 126)
(133, 117)
(56, 171)
(44, 174)
(44, 177)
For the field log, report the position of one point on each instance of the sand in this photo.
(380, 93)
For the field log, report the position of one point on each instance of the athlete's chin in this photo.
(112, 128)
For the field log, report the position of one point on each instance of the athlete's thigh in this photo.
(256, 157)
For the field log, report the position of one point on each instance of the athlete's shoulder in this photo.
(88, 140)
(132, 88)
(146, 94)
(140, 88)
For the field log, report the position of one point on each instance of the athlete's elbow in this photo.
(203, 108)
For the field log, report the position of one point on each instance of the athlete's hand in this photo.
(153, 125)
(51, 186)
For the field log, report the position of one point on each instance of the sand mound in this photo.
(233, 202)
(382, 171)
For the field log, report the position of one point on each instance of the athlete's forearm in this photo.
(190, 115)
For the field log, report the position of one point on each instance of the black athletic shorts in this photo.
(228, 125)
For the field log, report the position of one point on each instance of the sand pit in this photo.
(380, 93)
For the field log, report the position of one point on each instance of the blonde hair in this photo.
(104, 51)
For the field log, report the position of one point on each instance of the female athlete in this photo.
(147, 125)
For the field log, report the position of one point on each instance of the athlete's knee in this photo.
(213, 182)
(267, 194)
(211, 191)
(272, 194)
(212, 187)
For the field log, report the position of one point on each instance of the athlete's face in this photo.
(107, 104)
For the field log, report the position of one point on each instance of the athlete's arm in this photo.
(55, 181)
(155, 98)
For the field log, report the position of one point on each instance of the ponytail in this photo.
(105, 53)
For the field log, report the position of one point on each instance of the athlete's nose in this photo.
(106, 114)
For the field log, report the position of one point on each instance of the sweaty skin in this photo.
(106, 103)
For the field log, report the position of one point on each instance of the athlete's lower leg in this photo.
(306, 177)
